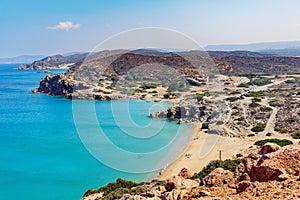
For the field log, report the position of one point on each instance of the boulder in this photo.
(185, 173)
(219, 177)
(269, 148)
(180, 182)
(242, 186)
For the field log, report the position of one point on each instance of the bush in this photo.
(149, 86)
(296, 135)
(261, 82)
(114, 190)
(269, 134)
(281, 130)
(238, 155)
(245, 85)
(251, 135)
(232, 99)
(291, 120)
(280, 142)
(255, 99)
(266, 109)
(259, 128)
(256, 94)
(254, 105)
(227, 164)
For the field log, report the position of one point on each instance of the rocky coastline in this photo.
(269, 172)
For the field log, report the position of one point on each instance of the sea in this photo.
(56, 148)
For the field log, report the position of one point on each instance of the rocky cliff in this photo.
(268, 173)
(56, 85)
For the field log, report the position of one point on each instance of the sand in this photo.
(204, 148)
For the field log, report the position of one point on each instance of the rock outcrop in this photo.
(268, 166)
(185, 173)
(218, 178)
(56, 85)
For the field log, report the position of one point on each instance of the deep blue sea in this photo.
(55, 148)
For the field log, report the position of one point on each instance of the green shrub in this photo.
(280, 142)
(290, 81)
(227, 164)
(266, 109)
(122, 185)
(255, 99)
(281, 130)
(253, 104)
(296, 135)
(232, 99)
(256, 94)
(261, 82)
(238, 155)
(259, 128)
(251, 135)
(244, 85)
(149, 86)
(291, 120)
(269, 134)
(234, 93)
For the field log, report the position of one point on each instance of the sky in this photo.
(46, 27)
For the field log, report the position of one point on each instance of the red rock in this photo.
(269, 166)
(242, 186)
(269, 148)
(170, 185)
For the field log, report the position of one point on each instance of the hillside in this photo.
(103, 70)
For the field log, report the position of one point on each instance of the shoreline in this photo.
(202, 149)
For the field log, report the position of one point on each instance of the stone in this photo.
(204, 193)
(218, 177)
(269, 148)
(242, 186)
(185, 173)
(282, 177)
(170, 185)
(180, 182)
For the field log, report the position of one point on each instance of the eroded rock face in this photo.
(269, 166)
(56, 85)
(219, 177)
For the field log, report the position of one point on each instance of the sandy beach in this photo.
(204, 148)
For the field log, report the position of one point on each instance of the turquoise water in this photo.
(42, 156)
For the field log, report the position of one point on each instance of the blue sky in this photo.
(32, 26)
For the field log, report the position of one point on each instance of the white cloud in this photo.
(65, 26)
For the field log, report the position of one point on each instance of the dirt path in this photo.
(270, 125)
